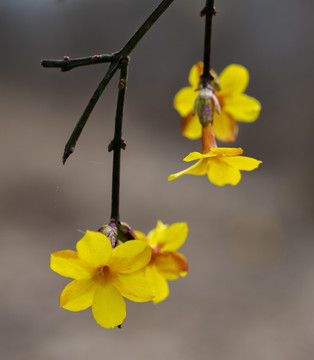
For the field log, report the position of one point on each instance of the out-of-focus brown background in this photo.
(250, 290)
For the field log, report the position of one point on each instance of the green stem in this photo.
(209, 12)
(67, 64)
(117, 144)
(123, 53)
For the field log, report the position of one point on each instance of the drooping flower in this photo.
(234, 104)
(222, 165)
(102, 276)
(166, 263)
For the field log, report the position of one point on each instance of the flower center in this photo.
(103, 272)
(155, 253)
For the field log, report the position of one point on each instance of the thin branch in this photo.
(130, 45)
(117, 143)
(70, 145)
(208, 11)
(118, 56)
(68, 64)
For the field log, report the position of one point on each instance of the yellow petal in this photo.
(131, 256)
(94, 248)
(227, 151)
(191, 127)
(220, 173)
(170, 265)
(173, 237)
(195, 74)
(78, 294)
(139, 235)
(67, 263)
(109, 308)
(154, 235)
(197, 156)
(184, 100)
(242, 107)
(225, 127)
(233, 79)
(242, 162)
(135, 286)
(159, 282)
(200, 168)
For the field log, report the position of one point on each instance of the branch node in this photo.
(203, 11)
(123, 144)
(110, 146)
(121, 84)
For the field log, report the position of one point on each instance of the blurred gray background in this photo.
(250, 290)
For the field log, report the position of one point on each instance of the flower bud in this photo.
(111, 231)
(125, 233)
(204, 104)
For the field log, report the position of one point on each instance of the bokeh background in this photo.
(250, 290)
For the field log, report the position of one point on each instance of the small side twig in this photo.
(68, 64)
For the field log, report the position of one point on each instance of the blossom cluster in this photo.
(112, 264)
(212, 112)
(137, 270)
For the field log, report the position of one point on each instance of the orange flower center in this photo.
(103, 272)
(155, 253)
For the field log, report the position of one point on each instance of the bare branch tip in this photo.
(67, 152)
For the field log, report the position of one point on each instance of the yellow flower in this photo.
(234, 104)
(222, 165)
(166, 263)
(102, 276)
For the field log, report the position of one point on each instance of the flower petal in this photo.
(135, 286)
(220, 173)
(184, 100)
(225, 127)
(159, 282)
(78, 294)
(130, 256)
(170, 265)
(242, 162)
(109, 308)
(226, 151)
(153, 235)
(191, 126)
(195, 74)
(67, 263)
(197, 156)
(200, 168)
(173, 237)
(233, 79)
(243, 107)
(139, 235)
(94, 248)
